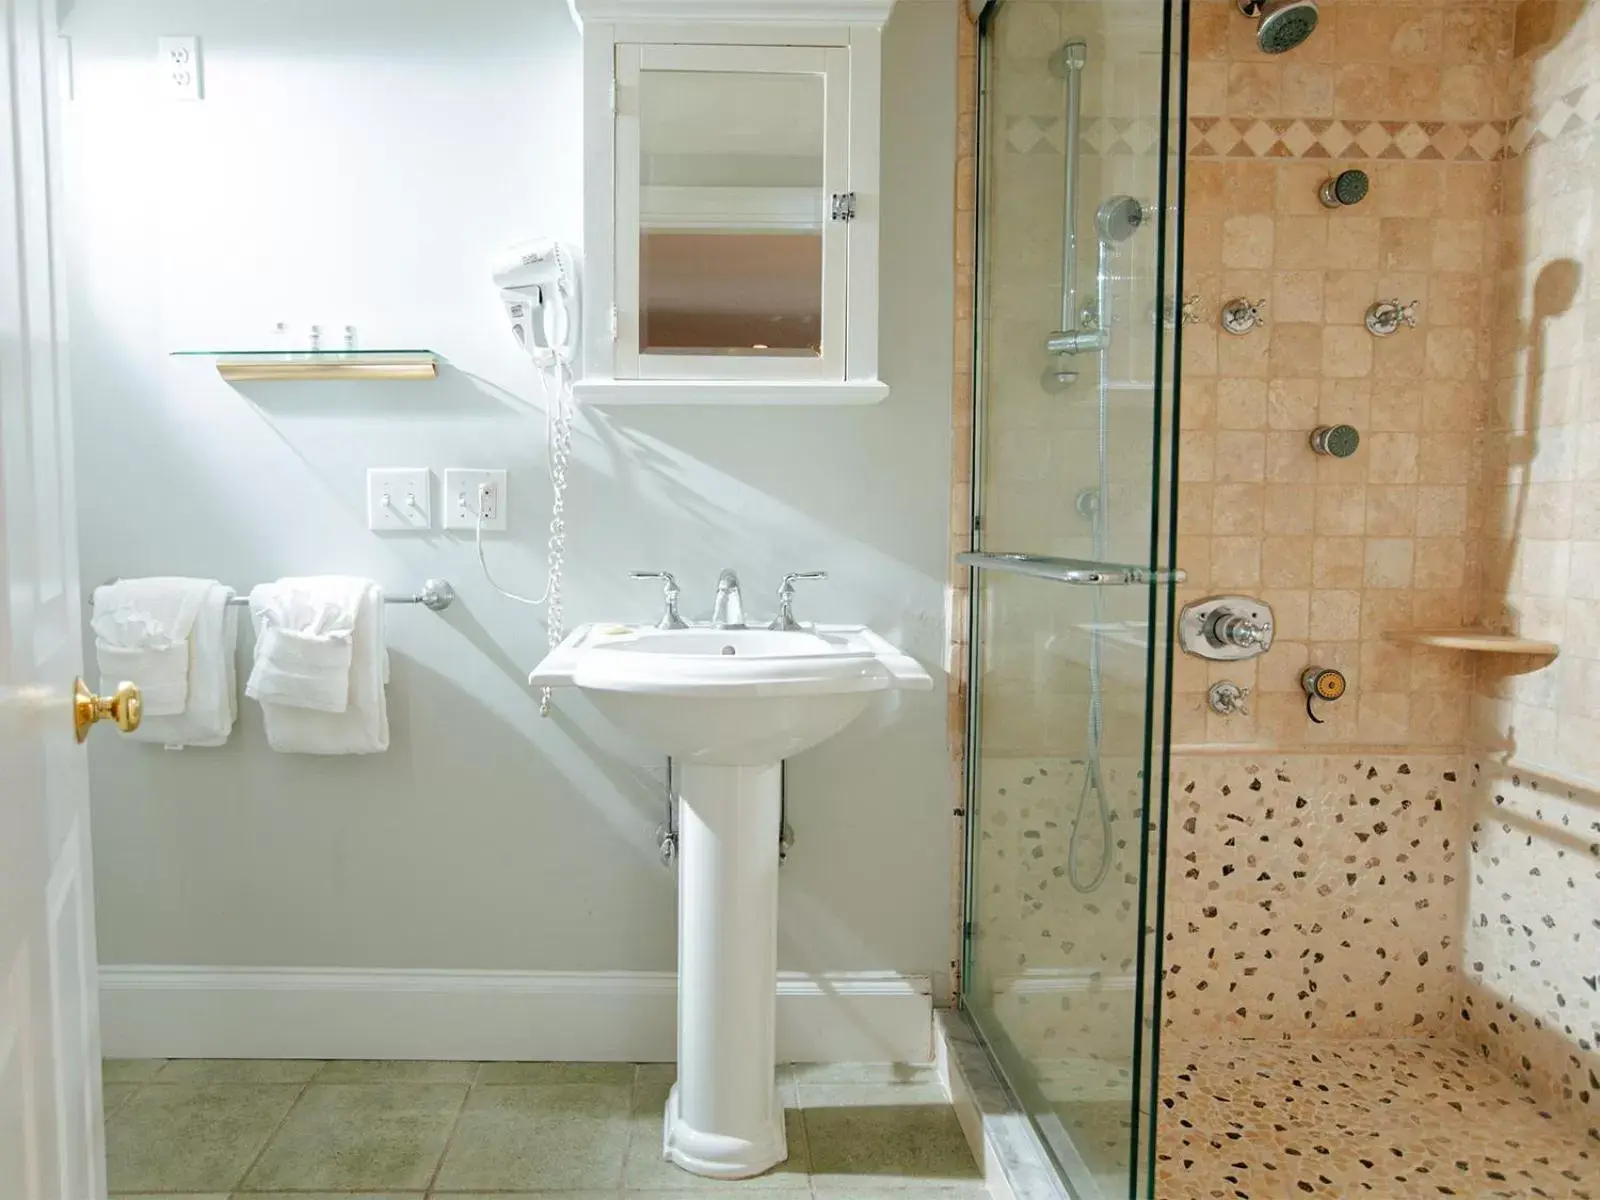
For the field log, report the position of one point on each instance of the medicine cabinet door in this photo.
(732, 212)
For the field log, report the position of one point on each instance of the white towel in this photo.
(362, 727)
(304, 633)
(142, 629)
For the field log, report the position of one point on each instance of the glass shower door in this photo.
(1080, 121)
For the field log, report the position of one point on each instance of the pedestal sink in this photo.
(729, 705)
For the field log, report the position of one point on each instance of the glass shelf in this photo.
(244, 365)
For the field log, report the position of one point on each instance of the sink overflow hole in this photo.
(729, 650)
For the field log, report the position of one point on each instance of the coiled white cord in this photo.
(558, 450)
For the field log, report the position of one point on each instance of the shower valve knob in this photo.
(1240, 316)
(1228, 699)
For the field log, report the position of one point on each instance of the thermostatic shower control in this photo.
(1226, 628)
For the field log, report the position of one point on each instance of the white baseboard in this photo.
(533, 1016)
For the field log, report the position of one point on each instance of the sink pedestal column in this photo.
(724, 1117)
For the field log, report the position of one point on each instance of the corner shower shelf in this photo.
(246, 365)
(1475, 640)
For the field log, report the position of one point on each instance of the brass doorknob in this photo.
(124, 706)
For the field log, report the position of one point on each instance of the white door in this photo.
(51, 1141)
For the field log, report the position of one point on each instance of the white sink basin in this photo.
(731, 697)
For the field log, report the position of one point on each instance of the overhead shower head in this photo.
(1118, 219)
(1285, 24)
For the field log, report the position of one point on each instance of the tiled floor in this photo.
(210, 1129)
(1253, 1119)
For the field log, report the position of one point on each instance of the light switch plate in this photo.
(461, 486)
(399, 499)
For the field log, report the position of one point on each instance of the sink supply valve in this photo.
(1345, 188)
(1321, 683)
(1226, 628)
(1228, 699)
(1385, 318)
(1336, 441)
(1239, 316)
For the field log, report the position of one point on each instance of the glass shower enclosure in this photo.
(1080, 140)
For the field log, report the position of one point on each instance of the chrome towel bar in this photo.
(1079, 571)
(436, 594)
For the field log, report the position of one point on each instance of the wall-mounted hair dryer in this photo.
(538, 284)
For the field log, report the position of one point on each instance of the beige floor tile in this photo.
(380, 1136)
(662, 1075)
(191, 1196)
(528, 1074)
(240, 1070)
(901, 1189)
(864, 1135)
(784, 1193)
(647, 1170)
(130, 1070)
(858, 1073)
(396, 1071)
(193, 1138)
(114, 1095)
(547, 1137)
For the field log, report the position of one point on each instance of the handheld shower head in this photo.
(1285, 24)
(1118, 219)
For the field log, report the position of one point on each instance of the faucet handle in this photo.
(788, 580)
(784, 622)
(669, 590)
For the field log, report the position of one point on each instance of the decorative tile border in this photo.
(1099, 135)
(1305, 137)
(1564, 114)
(1291, 137)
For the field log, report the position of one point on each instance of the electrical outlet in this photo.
(400, 499)
(461, 498)
(178, 59)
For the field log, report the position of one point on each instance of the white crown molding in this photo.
(557, 1016)
(733, 12)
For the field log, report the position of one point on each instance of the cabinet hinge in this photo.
(613, 95)
(844, 206)
(616, 323)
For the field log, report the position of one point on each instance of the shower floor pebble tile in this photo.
(1247, 1120)
(238, 1129)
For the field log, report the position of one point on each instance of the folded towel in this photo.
(213, 704)
(142, 629)
(305, 665)
(304, 630)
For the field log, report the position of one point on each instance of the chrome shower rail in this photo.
(1080, 571)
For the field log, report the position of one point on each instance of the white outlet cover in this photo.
(400, 499)
(461, 498)
(178, 64)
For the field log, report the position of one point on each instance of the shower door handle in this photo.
(1078, 571)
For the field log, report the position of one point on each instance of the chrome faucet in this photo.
(728, 611)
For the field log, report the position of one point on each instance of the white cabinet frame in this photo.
(845, 37)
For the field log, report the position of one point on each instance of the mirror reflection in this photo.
(730, 243)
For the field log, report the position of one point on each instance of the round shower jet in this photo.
(1285, 24)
